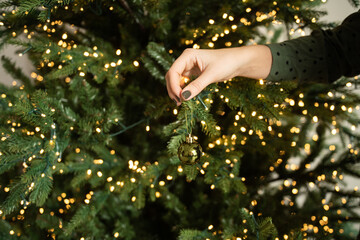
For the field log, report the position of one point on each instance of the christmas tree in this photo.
(89, 143)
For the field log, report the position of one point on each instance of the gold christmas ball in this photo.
(190, 151)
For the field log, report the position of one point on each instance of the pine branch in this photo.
(187, 234)
(16, 73)
(354, 3)
(267, 229)
(8, 162)
(126, 6)
(82, 215)
(17, 194)
(6, 4)
(159, 54)
(43, 187)
(86, 213)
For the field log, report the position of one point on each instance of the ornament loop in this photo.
(189, 138)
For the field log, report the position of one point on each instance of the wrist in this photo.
(254, 61)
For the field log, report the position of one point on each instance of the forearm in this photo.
(254, 61)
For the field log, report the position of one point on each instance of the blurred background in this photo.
(337, 11)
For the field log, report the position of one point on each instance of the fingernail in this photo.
(186, 94)
(177, 98)
(175, 101)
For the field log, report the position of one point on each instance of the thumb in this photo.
(194, 87)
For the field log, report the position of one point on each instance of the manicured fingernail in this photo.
(175, 101)
(186, 94)
(177, 98)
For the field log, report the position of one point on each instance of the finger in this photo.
(176, 99)
(184, 80)
(173, 80)
(194, 72)
(196, 86)
(182, 65)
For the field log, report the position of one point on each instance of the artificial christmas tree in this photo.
(89, 143)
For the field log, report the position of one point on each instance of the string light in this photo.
(136, 63)
(135, 166)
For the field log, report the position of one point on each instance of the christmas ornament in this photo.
(189, 151)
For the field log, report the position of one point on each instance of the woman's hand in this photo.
(210, 66)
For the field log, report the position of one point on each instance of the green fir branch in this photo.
(86, 213)
(159, 54)
(12, 201)
(188, 234)
(42, 189)
(16, 72)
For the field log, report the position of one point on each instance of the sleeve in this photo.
(324, 56)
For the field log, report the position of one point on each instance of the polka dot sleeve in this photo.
(324, 56)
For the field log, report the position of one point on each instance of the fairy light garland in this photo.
(134, 165)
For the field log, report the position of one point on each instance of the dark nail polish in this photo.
(186, 94)
(175, 101)
(177, 98)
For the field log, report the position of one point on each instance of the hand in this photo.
(210, 66)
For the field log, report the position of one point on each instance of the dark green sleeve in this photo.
(323, 56)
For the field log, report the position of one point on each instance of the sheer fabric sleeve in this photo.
(323, 56)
